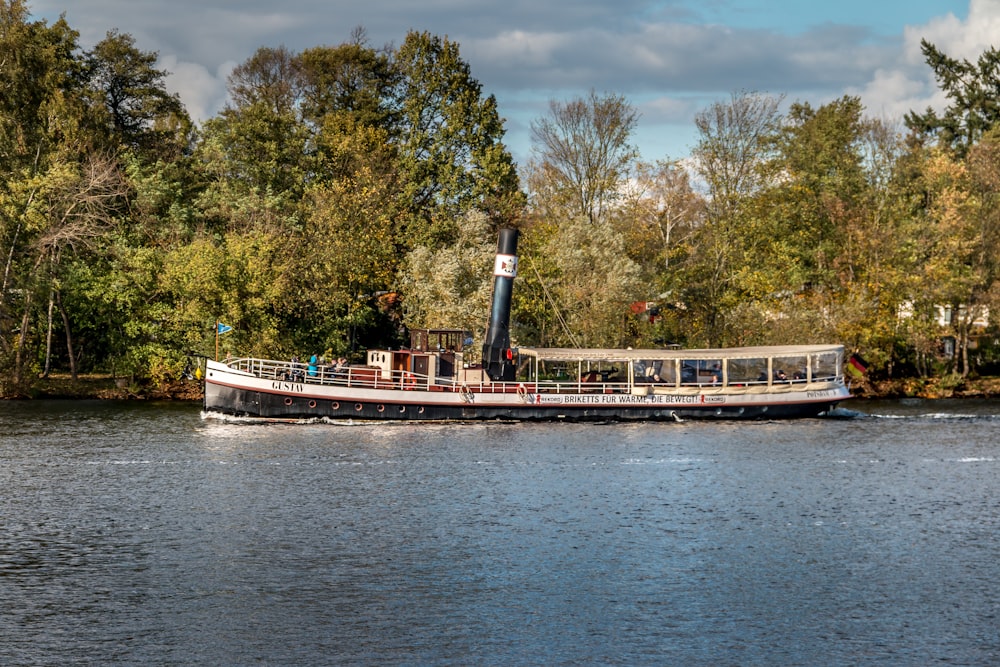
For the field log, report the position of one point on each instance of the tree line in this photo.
(346, 193)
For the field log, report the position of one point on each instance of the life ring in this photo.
(467, 394)
(522, 392)
(409, 380)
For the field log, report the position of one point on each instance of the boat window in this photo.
(825, 366)
(654, 371)
(790, 369)
(418, 339)
(552, 370)
(701, 371)
(748, 371)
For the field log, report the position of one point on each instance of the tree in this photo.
(45, 127)
(350, 79)
(660, 215)
(450, 141)
(348, 254)
(734, 159)
(254, 155)
(596, 282)
(662, 210)
(584, 153)
(821, 158)
(450, 287)
(133, 93)
(876, 256)
(957, 272)
(76, 207)
(973, 88)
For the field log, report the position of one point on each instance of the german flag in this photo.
(857, 366)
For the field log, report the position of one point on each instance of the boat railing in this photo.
(329, 374)
(375, 378)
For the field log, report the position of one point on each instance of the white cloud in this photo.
(959, 39)
(202, 92)
(909, 84)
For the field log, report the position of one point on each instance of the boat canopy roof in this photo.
(565, 354)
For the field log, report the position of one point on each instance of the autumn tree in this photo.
(660, 214)
(958, 194)
(583, 153)
(734, 160)
(960, 272)
(877, 257)
(984, 174)
(579, 276)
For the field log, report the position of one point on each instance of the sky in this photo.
(669, 58)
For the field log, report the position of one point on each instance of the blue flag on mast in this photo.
(222, 328)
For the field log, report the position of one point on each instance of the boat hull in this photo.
(239, 394)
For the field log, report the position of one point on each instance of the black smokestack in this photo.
(498, 358)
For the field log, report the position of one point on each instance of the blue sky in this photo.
(669, 58)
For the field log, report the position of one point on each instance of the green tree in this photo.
(451, 156)
(46, 138)
(820, 154)
(348, 255)
(142, 114)
(974, 91)
(351, 79)
(254, 155)
(75, 207)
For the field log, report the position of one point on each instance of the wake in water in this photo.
(913, 408)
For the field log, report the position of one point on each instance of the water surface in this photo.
(146, 534)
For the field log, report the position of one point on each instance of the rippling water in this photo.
(147, 534)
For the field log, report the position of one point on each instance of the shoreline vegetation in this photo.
(107, 387)
(347, 193)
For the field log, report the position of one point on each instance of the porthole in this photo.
(357, 406)
(312, 404)
(288, 401)
(335, 405)
(381, 408)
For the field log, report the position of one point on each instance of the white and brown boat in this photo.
(432, 380)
